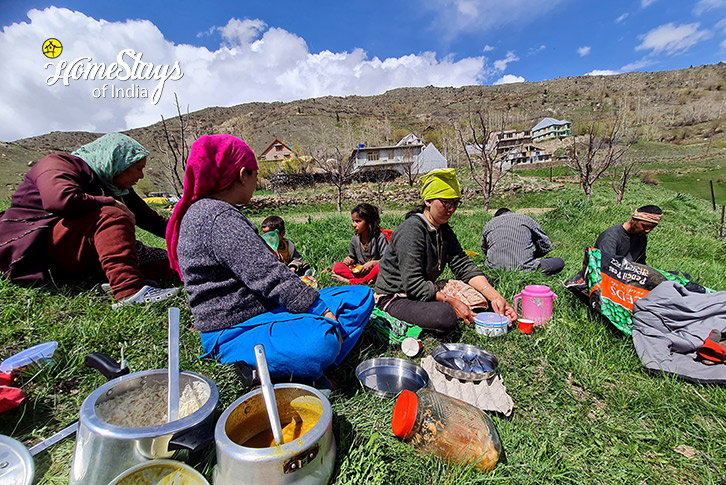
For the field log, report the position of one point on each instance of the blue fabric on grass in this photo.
(298, 345)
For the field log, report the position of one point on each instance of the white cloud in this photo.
(646, 3)
(601, 72)
(721, 25)
(501, 64)
(706, 5)
(454, 17)
(255, 63)
(621, 18)
(584, 50)
(538, 49)
(723, 45)
(672, 39)
(240, 32)
(488, 48)
(639, 64)
(509, 79)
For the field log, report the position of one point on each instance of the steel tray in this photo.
(444, 361)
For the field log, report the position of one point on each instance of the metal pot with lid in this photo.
(246, 452)
(104, 450)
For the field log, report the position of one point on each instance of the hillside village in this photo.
(671, 107)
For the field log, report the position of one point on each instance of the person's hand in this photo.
(331, 316)
(502, 307)
(367, 267)
(126, 210)
(462, 310)
(348, 261)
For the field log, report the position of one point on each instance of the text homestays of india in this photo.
(121, 70)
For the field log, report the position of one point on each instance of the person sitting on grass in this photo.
(420, 248)
(514, 241)
(286, 249)
(631, 238)
(366, 248)
(74, 216)
(239, 292)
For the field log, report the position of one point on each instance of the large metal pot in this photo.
(308, 459)
(104, 450)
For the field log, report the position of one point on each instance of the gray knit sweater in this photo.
(229, 273)
(416, 257)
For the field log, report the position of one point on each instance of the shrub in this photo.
(649, 178)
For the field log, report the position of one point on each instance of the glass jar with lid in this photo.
(449, 428)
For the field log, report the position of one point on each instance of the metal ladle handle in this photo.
(173, 366)
(268, 392)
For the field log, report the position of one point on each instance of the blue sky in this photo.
(236, 52)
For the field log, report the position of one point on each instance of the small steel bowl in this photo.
(444, 361)
(387, 376)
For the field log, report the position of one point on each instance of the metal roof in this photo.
(549, 122)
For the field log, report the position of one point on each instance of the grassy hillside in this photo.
(679, 107)
(585, 410)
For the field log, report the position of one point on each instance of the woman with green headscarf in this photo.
(74, 216)
(420, 248)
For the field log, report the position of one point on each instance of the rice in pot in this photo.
(147, 404)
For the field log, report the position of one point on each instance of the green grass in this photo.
(697, 183)
(585, 410)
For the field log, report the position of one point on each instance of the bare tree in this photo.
(338, 167)
(622, 174)
(487, 168)
(176, 149)
(327, 156)
(594, 153)
(409, 166)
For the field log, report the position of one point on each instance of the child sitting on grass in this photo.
(286, 249)
(365, 250)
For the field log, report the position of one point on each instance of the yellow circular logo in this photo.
(52, 48)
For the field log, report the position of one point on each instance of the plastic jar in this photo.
(449, 428)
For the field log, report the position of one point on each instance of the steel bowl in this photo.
(387, 376)
(445, 362)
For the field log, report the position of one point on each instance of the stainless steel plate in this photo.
(387, 376)
(479, 364)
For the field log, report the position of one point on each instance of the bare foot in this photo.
(339, 279)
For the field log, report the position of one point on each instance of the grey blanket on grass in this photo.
(670, 323)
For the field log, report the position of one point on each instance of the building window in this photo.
(278, 148)
(372, 156)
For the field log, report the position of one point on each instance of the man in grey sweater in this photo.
(515, 241)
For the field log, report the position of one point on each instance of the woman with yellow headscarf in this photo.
(419, 250)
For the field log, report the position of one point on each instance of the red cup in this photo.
(525, 326)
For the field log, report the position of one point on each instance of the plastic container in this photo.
(28, 357)
(453, 430)
(491, 324)
(537, 303)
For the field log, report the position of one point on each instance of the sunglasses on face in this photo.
(450, 203)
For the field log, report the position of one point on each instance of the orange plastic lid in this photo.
(404, 413)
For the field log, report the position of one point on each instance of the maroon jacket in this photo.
(58, 186)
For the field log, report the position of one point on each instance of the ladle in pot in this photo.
(173, 366)
(268, 393)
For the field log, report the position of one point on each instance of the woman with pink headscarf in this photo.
(240, 294)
